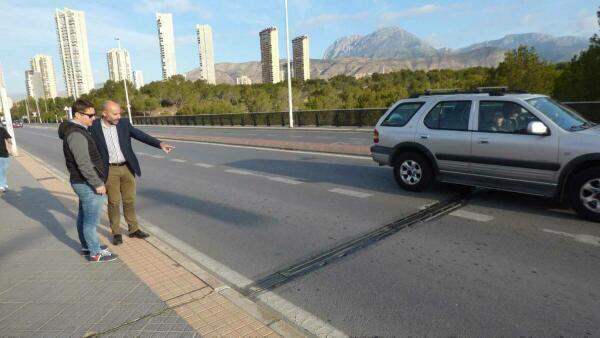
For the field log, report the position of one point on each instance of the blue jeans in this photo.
(3, 169)
(88, 218)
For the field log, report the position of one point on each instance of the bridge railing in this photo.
(362, 117)
(303, 118)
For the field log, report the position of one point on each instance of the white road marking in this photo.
(252, 134)
(474, 216)
(283, 180)
(177, 160)
(271, 178)
(304, 152)
(324, 137)
(157, 156)
(141, 154)
(350, 193)
(204, 165)
(296, 136)
(583, 238)
(240, 172)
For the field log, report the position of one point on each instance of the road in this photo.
(503, 264)
(309, 136)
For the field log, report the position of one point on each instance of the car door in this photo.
(502, 148)
(444, 130)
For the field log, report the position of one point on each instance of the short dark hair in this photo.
(80, 106)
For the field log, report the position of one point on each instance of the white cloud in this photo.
(325, 19)
(587, 24)
(417, 11)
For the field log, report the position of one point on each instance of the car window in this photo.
(449, 115)
(504, 117)
(565, 117)
(402, 114)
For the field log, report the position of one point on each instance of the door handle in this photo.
(483, 141)
(424, 137)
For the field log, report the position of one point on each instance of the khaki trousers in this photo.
(120, 187)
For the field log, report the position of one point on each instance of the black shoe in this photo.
(117, 239)
(139, 234)
(87, 251)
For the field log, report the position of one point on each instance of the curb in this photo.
(264, 315)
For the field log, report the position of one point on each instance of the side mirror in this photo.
(537, 128)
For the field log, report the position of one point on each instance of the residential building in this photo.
(43, 64)
(243, 80)
(166, 41)
(206, 53)
(269, 55)
(138, 79)
(34, 84)
(301, 68)
(74, 52)
(119, 64)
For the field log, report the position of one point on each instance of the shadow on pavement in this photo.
(38, 204)
(210, 209)
(369, 177)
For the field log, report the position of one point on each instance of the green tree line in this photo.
(522, 68)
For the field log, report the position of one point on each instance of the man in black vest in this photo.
(87, 177)
(113, 136)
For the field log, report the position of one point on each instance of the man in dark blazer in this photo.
(113, 137)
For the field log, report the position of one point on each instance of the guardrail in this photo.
(302, 118)
(315, 118)
(588, 109)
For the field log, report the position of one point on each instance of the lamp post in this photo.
(125, 86)
(289, 70)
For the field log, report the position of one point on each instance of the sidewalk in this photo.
(47, 288)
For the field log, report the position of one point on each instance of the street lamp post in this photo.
(289, 70)
(125, 86)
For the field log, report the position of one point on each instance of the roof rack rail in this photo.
(491, 91)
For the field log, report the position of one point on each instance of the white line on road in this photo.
(240, 172)
(350, 193)
(583, 238)
(157, 156)
(324, 137)
(474, 216)
(177, 160)
(142, 154)
(204, 165)
(283, 180)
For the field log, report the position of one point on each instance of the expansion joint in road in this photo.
(315, 262)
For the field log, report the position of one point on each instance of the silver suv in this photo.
(504, 140)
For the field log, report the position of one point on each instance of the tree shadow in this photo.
(207, 208)
(38, 204)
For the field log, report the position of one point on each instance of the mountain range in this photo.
(393, 48)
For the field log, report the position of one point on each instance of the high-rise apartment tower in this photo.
(269, 55)
(74, 52)
(301, 58)
(166, 41)
(206, 53)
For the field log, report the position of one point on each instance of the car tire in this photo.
(413, 172)
(584, 193)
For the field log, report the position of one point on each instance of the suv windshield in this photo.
(565, 117)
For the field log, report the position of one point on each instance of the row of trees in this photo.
(521, 69)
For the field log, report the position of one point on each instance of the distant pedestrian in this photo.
(5, 149)
(84, 164)
(113, 136)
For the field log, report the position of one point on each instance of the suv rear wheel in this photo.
(584, 193)
(412, 172)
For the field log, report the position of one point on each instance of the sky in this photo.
(27, 27)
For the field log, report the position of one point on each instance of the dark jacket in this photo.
(82, 157)
(125, 131)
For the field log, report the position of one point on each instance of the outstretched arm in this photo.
(149, 140)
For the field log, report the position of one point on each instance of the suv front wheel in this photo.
(412, 172)
(584, 194)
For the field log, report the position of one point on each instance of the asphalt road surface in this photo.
(502, 264)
